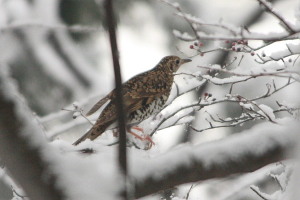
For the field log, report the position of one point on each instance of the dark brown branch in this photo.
(21, 156)
(118, 81)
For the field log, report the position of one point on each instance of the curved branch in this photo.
(216, 159)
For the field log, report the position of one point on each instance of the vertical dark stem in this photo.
(118, 81)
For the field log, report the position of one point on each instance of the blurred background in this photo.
(58, 53)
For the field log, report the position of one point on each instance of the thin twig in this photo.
(254, 189)
(270, 9)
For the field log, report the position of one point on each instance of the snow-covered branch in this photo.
(232, 34)
(271, 10)
(21, 146)
(43, 25)
(214, 160)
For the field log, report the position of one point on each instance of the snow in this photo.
(99, 178)
(68, 166)
(101, 175)
(247, 106)
(229, 80)
(184, 36)
(185, 155)
(252, 36)
(91, 176)
(264, 195)
(244, 182)
(266, 111)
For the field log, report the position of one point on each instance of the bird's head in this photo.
(172, 63)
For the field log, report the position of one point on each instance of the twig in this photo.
(256, 190)
(188, 193)
(177, 7)
(281, 73)
(16, 193)
(269, 8)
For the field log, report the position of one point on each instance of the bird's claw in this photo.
(148, 138)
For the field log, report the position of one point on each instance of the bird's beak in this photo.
(185, 60)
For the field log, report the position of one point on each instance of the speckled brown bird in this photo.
(143, 95)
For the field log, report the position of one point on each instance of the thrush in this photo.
(143, 95)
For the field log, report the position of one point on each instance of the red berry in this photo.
(252, 53)
(191, 46)
(227, 41)
(201, 44)
(206, 94)
(245, 42)
(201, 54)
(233, 44)
(239, 41)
(233, 48)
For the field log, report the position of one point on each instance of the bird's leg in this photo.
(137, 128)
(147, 137)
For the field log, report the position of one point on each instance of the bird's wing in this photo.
(139, 91)
(145, 88)
(100, 103)
(148, 84)
(108, 115)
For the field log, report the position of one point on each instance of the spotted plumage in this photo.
(143, 95)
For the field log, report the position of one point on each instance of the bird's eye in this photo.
(177, 62)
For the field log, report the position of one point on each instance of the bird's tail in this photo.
(92, 134)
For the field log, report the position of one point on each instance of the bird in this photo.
(144, 95)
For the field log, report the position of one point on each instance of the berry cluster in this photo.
(197, 45)
(208, 95)
(240, 45)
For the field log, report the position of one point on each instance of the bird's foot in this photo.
(138, 128)
(145, 138)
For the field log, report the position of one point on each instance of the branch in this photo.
(191, 164)
(281, 73)
(21, 145)
(270, 9)
(42, 25)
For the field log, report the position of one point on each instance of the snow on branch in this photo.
(232, 155)
(232, 33)
(42, 25)
(271, 10)
(21, 145)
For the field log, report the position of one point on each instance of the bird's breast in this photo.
(147, 110)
